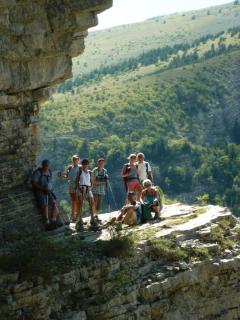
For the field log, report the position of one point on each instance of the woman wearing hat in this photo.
(71, 176)
(130, 176)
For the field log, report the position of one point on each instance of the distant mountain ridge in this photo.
(110, 46)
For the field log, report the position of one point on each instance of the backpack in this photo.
(70, 168)
(161, 195)
(39, 180)
(126, 168)
(146, 213)
(101, 176)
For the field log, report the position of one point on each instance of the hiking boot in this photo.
(97, 219)
(94, 220)
(156, 216)
(119, 226)
(79, 226)
(73, 219)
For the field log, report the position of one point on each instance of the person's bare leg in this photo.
(156, 210)
(80, 207)
(91, 208)
(54, 212)
(45, 213)
(120, 216)
(74, 205)
(139, 192)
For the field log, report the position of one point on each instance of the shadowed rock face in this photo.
(38, 39)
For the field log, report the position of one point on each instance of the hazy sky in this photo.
(129, 11)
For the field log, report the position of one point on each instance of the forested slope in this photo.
(182, 111)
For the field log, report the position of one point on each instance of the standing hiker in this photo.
(144, 169)
(100, 181)
(71, 175)
(42, 186)
(84, 180)
(130, 176)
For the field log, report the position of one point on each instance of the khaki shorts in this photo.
(72, 188)
(85, 194)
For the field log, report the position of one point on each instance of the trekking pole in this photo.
(110, 188)
(108, 199)
(47, 213)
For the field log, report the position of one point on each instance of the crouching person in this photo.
(85, 194)
(151, 197)
(130, 214)
(42, 186)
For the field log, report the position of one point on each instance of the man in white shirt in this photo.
(144, 168)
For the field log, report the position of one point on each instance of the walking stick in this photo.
(108, 199)
(47, 213)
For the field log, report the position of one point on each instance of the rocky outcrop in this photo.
(38, 40)
(178, 269)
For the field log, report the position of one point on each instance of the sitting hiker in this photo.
(131, 212)
(151, 197)
(130, 176)
(71, 175)
(85, 193)
(42, 186)
(144, 168)
(100, 180)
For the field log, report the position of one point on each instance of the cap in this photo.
(75, 157)
(132, 155)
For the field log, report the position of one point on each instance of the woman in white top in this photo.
(85, 192)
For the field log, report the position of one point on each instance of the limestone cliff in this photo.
(185, 267)
(38, 40)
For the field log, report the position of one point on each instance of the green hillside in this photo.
(178, 104)
(116, 44)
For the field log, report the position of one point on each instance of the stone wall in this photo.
(208, 290)
(38, 40)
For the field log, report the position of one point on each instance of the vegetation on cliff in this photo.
(179, 104)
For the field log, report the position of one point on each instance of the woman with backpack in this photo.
(130, 176)
(71, 176)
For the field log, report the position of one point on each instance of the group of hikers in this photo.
(142, 199)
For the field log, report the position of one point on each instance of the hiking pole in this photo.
(108, 199)
(110, 188)
(47, 215)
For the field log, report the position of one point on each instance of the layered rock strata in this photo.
(38, 40)
(146, 284)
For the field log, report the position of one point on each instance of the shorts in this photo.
(134, 186)
(85, 194)
(45, 198)
(72, 187)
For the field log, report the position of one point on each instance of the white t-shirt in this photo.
(142, 170)
(85, 179)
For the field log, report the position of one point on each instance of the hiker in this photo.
(130, 214)
(151, 197)
(100, 181)
(144, 168)
(130, 176)
(42, 186)
(84, 181)
(71, 175)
